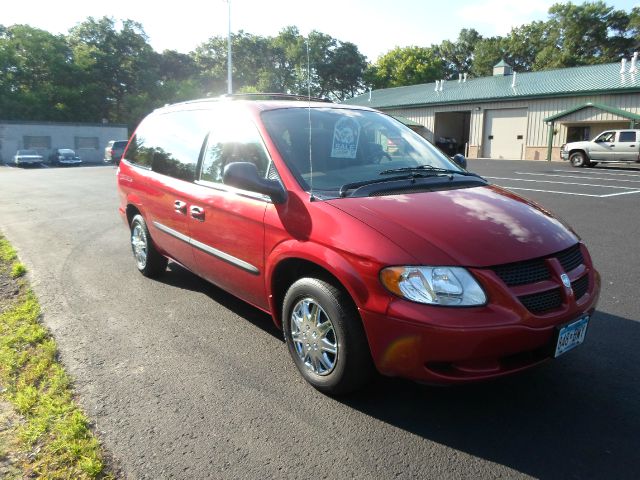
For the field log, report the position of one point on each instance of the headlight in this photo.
(450, 286)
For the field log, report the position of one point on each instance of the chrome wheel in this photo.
(314, 337)
(139, 245)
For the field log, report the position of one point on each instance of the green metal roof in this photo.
(600, 106)
(407, 121)
(501, 63)
(592, 79)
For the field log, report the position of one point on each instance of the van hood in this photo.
(474, 227)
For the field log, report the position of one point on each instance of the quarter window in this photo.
(170, 143)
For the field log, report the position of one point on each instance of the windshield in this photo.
(27, 152)
(66, 152)
(347, 146)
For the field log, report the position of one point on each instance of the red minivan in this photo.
(367, 259)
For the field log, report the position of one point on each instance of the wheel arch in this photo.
(131, 211)
(330, 266)
(579, 150)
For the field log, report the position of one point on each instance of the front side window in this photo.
(626, 137)
(606, 137)
(235, 140)
(339, 146)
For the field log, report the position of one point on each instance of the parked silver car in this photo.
(609, 146)
(27, 157)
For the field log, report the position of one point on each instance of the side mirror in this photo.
(244, 175)
(460, 160)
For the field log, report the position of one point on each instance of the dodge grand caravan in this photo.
(368, 258)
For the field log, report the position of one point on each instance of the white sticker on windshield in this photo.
(345, 138)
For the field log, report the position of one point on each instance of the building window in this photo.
(86, 143)
(31, 142)
(578, 134)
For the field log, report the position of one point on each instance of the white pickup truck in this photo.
(609, 146)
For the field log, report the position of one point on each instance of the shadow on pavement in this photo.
(180, 277)
(574, 417)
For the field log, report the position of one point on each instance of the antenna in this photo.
(309, 121)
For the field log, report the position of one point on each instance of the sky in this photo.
(375, 26)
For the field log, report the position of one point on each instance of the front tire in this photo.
(325, 337)
(579, 160)
(149, 262)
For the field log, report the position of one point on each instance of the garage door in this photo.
(505, 133)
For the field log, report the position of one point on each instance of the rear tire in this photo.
(149, 262)
(325, 337)
(578, 160)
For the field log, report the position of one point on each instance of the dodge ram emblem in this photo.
(565, 280)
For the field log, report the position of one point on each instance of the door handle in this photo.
(180, 207)
(631, 146)
(197, 213)
(612, 145)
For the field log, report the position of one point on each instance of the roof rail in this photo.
(272, 96)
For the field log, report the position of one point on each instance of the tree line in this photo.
(106, 70)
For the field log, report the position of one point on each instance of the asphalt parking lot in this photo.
(184, 381)
(608, 181)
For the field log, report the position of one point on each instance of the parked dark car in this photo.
(64, 156)
(404, 263)
(114, 150)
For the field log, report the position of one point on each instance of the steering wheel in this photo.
(377, 153)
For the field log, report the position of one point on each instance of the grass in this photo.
(53, 435)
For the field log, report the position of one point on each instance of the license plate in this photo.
(571, 335)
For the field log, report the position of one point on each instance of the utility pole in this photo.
(229, 59)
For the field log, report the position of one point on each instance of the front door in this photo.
(227, 224)
(603, 147)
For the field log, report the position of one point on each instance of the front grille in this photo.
(531, 271)
(580, 286)
(521, 273)
(570, 258)
(543, 301)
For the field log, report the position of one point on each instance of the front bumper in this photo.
(70, 162)
(28, 161)
(458, 345)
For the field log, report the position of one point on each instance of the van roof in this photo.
(260, 101)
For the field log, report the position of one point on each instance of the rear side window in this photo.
(170, 143)
(627, 136)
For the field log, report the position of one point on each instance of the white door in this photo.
(505, 133)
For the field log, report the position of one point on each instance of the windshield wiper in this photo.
(429, 168)
(350, 186)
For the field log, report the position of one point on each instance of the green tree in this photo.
(458, 55)
(39, 79)
(115, 64)
(584, 34)
(406, 66)
(487, 53)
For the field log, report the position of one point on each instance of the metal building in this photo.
(87, 139)
(517, 115)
